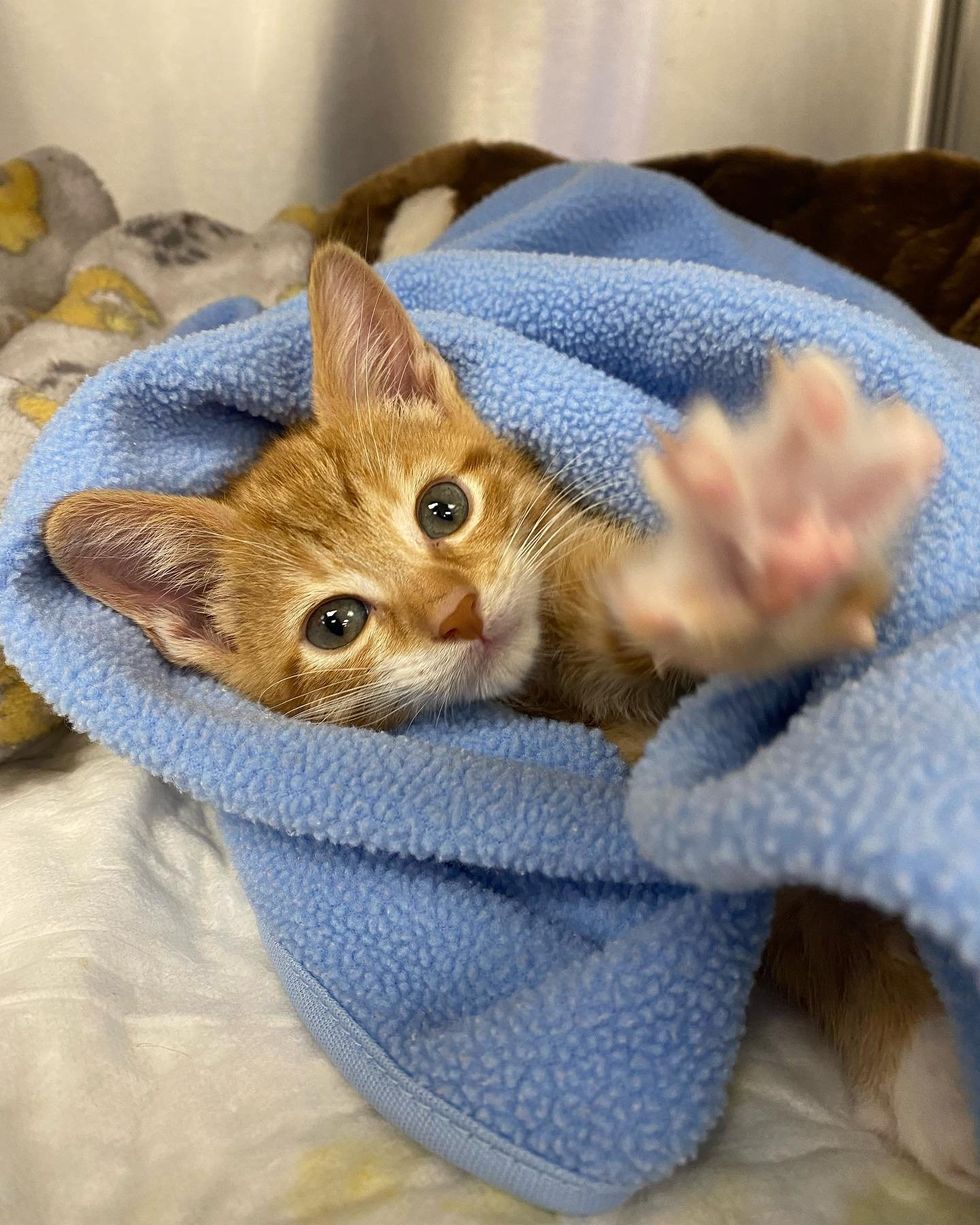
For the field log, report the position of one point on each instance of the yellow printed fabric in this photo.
(304, 215)
(35, 407)
(23, 715)
(71, 306)
(21, 222)
(104, 299)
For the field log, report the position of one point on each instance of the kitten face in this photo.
(375, 562)
(351, 606)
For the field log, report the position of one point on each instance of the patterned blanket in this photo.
(79, 290)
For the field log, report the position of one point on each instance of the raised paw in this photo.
(779, 528)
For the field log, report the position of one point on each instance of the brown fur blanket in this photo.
(909, 221)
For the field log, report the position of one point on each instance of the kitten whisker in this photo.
(549, 486)
(311, 671)
(380, 707)
(548, 526)
(566, 503)
(360, 689)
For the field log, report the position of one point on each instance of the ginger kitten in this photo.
(391, 555)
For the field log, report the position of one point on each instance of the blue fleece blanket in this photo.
(479, 919)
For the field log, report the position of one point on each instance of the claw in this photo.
(826, 393)
(860, 632)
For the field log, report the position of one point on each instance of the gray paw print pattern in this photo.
(61, 379)
(179, 239)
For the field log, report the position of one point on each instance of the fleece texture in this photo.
(481, 919)
(79, 290)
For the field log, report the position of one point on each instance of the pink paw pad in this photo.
(774, 521)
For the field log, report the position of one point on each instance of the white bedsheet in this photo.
(152, 1072)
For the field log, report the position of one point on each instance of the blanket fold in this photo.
(520, 951)
(79, 290)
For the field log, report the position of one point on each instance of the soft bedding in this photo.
(148, 1057)
(152, 1071)
(79, 289)
(573, 1037)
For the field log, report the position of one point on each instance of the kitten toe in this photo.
(778, 524)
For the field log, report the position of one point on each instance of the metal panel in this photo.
(235, 106)
(956, 123)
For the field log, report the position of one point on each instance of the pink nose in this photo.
(464, 621)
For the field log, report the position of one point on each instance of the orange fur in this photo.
(329, 509)
(856, 972)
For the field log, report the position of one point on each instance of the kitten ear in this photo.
(152, 557)
(365, 347)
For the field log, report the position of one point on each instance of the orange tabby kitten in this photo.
(391, 555)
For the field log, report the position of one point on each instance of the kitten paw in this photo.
(779, 527)
(924, 1109)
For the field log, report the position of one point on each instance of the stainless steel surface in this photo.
(957, 109)
(235, 106)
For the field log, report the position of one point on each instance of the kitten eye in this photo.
(336, 623)
(442, 509)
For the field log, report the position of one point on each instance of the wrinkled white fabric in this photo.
(152, 1072)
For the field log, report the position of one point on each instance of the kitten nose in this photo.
(464, 621)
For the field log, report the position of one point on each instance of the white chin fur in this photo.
(507, 671)
(924, 1108)
(487, 673)
(452, 674)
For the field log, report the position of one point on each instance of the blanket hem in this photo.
(423, 1116)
